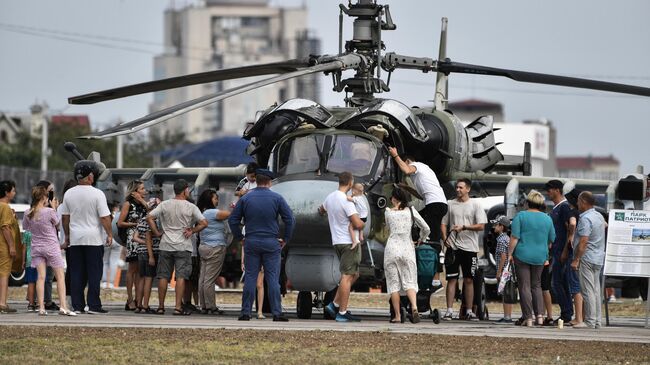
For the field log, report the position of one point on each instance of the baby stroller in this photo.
(427, 258)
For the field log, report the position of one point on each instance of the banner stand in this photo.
(647, 309)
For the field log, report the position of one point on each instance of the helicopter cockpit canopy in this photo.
(323, 153)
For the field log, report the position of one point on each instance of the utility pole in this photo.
(120, 151)
(39, 119)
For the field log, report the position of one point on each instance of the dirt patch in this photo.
(20, 345)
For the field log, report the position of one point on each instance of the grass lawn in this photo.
(52, 345)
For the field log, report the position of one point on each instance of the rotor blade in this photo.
(538, 78)
(193, 79)
(168, 113)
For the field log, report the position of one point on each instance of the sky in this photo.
(55, 49)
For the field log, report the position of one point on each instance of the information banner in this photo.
(628, 243)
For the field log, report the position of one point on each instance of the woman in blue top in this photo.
(532, 233)
(212, 249)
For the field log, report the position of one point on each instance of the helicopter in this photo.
(307, 144)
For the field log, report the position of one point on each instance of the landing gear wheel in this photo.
(304, 305)
(435, 316)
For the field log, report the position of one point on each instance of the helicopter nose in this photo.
(304, 197)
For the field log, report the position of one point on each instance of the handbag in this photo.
(510, 292)
(415, 230)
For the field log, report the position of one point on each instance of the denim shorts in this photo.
(572, 279)
(31, 274)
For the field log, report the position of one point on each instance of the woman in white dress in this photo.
(399, 257)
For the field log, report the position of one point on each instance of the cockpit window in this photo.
(353, 154)
(300, 155)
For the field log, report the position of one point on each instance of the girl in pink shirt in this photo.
(43, 223)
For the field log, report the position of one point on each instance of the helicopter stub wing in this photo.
(486, 184)
(193, 79)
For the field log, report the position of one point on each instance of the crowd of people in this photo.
(570, 239)
(562, 251)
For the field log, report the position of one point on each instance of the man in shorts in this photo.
(179, 220)
(341, 213)
(465, 219)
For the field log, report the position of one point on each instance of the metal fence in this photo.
(26, 178)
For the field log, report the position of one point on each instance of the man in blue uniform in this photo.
(259, 209)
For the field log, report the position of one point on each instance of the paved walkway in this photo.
(623, 329)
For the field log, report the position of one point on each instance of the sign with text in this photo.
(628, 243)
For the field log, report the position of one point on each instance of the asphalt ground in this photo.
(622, 329)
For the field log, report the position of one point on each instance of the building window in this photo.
(4, 137)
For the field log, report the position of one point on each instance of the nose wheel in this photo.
(435, 316)
(304, 305)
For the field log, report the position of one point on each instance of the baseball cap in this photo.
(265, 172)
(82, 169)
(553, 184)
(502, 220)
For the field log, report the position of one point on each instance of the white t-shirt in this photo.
(85, 205)
(464, 214)
(339, 209)
(427, 184)
(174, 216)
(360, 202)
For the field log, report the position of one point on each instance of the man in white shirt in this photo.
(179, 220)
(84, 213)
(427, 184)
(340, 214)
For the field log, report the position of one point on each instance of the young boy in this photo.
(359, 203)
(500, 226)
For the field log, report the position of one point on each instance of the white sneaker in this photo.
(64, 312)
(471, 316)
(448, 316)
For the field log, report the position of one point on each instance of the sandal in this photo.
(127, 306)
(181, 312)
(42, 313)
(160, 311)
(549, 322)
(393, 320)
(415, 316)
(520, 321)
(138, 310)
(148, 310)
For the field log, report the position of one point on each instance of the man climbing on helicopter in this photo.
(427, 185)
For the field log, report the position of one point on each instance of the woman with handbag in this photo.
(133, 210)
(532, 233)
(399, 258)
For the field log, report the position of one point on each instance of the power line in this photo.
(94, 36)
(69, 38)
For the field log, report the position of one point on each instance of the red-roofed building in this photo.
(71, 120)
(589, 167)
